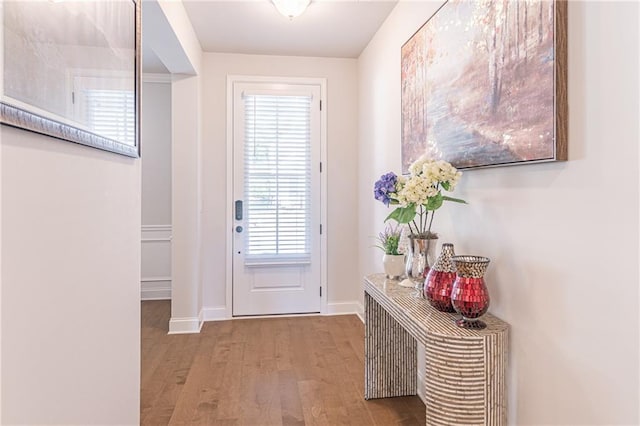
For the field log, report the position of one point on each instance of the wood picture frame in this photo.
(71, 70)
(484, 84)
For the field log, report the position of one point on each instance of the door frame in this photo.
(322, 82)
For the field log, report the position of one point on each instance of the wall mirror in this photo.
(71, 70)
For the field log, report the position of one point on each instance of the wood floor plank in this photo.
(290, 403)
(291, 371)
(189, 401)
(312, 405)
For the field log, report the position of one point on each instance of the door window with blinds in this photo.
(277, 243)
(277, 177)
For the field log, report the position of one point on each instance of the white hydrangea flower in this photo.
(416, 167)
(417, 189)
(437, 171)
(427, 177)
(424, 180)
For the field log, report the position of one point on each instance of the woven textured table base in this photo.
(465, 368)
(390, 354)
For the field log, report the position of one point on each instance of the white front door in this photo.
(276, 236)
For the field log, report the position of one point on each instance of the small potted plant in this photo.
(392, 260)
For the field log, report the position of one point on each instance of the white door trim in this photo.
(322, 82)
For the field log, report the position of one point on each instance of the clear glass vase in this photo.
(421, 256)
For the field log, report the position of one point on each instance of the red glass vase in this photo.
(440, 279)
(469, 295)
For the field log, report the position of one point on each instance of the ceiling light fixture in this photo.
(291, 8)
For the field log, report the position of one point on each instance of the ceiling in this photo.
(328, 28)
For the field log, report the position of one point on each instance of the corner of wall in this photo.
(216, 313)
(186, 325)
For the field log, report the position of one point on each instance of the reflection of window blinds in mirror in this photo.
(277, 176)
(111, 113)
(105, 105)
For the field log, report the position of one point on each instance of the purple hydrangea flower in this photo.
(385, 186)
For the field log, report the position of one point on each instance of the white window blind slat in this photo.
(277, 176)
(111, 113)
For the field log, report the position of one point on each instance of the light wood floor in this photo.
(282, 371)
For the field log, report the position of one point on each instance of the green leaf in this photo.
(446, 185)
(403, 214)
(434, 203)
(455, 200)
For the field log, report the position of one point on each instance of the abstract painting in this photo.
(484, 84)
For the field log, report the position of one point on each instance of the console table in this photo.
(465, 369)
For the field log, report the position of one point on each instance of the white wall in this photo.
(156, 187)
(156, 152)
(173, 40)
(563, 237)
(70, 283)
(186, 210)
(169, 34)
(341, 168)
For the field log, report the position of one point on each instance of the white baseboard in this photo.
(155, 288)
(361, 312)
(185, 325)
(219, 313)
(342, 308)
(156, 294)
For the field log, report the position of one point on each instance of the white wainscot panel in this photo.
(156, 262)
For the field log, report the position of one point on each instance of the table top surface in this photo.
(404, 302)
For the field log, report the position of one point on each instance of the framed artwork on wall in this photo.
(484, 83)
(71, 70)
